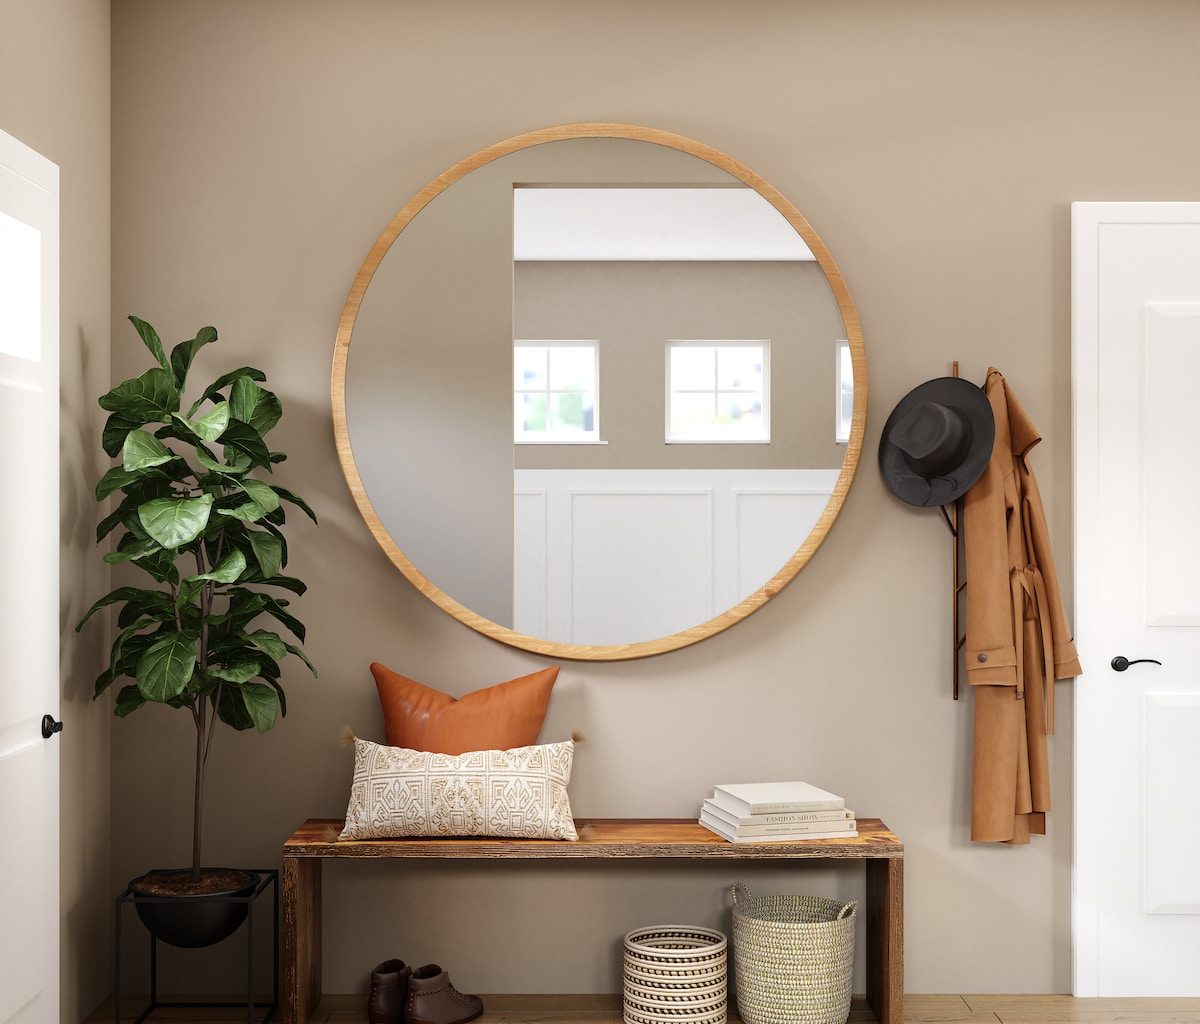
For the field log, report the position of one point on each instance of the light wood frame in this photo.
(554, 648)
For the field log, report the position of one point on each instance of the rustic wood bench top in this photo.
(631, 838)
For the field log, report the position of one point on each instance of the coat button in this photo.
(983, 657)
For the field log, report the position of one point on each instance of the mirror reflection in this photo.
(599, 391)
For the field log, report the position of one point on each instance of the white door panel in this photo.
(1137, 558)
(28, 584)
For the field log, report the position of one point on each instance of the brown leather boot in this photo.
(389, 989)
(433, 1000)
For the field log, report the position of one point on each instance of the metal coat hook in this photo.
(957, 586)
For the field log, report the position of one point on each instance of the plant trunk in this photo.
(198, 812)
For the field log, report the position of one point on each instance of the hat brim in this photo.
(972, 403)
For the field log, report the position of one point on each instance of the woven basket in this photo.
(676, 974)
(793, 958)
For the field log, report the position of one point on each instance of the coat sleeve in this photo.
(991, 653)
(1066, 659)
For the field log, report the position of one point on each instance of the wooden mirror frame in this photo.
(556, 648)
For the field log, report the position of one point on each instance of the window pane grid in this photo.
(554, 392)
(717, 391)
(844, 394)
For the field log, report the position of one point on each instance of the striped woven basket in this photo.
(793, 958)
(676, 974)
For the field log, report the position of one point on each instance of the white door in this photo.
(28, 585)
(1136, 382)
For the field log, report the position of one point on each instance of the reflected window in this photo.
(555, 392)
(844, 396)
(718, 392)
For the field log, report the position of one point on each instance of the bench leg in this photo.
(885, 939)
(301, 938)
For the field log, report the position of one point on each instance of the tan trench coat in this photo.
(1018, 641)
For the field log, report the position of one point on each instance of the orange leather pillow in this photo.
(500, 717)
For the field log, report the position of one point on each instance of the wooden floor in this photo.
(918, 1009)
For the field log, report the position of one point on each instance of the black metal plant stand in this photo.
(268, 877)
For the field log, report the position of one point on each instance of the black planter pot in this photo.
(193, 921)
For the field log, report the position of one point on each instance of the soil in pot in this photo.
(190, 914)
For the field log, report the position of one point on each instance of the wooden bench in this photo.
(599, 839)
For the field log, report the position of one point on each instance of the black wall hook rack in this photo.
(958, 586)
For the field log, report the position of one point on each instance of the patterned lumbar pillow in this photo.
(519, 793)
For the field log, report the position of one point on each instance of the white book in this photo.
(744, 799)
(791, 837)
(778, 818)
(719, 824)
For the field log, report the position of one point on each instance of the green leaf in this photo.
(282, 698)
(250, 512)
(130, 549)
(242, 438)
(254, 405)
(261, 705)
(286, 582)
(183, 353)
(103, 681)
(229, 569)
(271, 644)
(303, 657)
(222, 382)
(112, 597)
(260, 494)
(244, 605)
(211, 425)
(164, 670)
(151, 340)
(129, 648)
(155, 604)
(174, 522)
(239, 672)
(128, 700)
(142, 450)
(213, 466)
(243, 398)
(275, 608)
(115, 428)
(152, 396)
(296, 500)
(189, 587)
(232, 710)
(116, 479)
(268, 551)
(111, 521)
(160, 565)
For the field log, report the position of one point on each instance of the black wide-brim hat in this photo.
(937, 442)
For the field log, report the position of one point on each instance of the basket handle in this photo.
(733, 891)
(847, 910)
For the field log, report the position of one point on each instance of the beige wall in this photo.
(54, 96)
(633, 309)
(258, 150)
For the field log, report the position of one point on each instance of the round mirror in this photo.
(606, 392)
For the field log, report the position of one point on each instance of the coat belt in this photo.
(1030, 601)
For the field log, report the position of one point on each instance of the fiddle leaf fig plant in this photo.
(198, 514)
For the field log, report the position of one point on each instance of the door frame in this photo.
(1087, 218)
(43, 175)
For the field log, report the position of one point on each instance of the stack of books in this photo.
(776, 812)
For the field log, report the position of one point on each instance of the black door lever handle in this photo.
(1120, 664)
